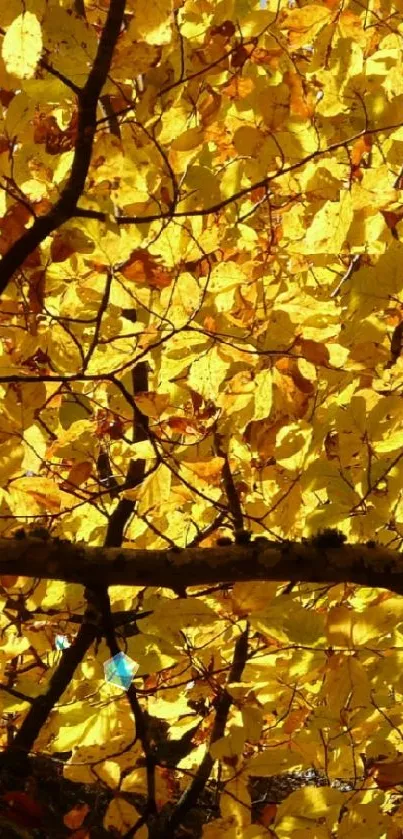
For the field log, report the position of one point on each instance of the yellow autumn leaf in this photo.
(153, 24)
(11, 457)
(182, 301)
(12, 645)
(22, 46)
(229, 746)
(272, 762)
(349, 628)
(235, 802)
(390, 443)
(292, 444)
(207, 374)
(41, 490)
(187, 140)
(151, 654)
(247, 140)
(187, 614)
(330, 227)
(252, 721)
(252, 596)
(122, 816)
(263, 394)
(224, 277)
(304, 806)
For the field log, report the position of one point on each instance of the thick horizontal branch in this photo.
(261, 560)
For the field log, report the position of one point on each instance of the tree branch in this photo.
(189, 798)
(87, 107)
(376, 567)
(15, 758)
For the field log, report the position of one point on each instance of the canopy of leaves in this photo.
(201, 319)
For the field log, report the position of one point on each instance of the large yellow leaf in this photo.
(22, 46)
(330, 227)
(306, 806)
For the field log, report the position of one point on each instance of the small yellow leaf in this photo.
(121, 816)
(188, 140)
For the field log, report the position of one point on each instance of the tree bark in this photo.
(376, 567)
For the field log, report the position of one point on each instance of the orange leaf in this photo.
(238, 88)
(7, 581)
(387, 775)
(141, 267)
(80, 472)
(360, 147)
(22, 809)
(268, 814)
(75, 817)
(298, 99)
